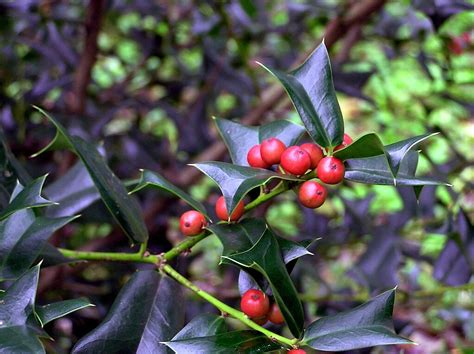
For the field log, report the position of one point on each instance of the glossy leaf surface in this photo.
(252, 246)
(146, 311)
(374, 170)
(50, 312)
(26, 197)
(122, 207)
(240, 138)
(236, 181)
(367, 325)
(311, 90)
(230, 342)
(155, 180)
(203, 325)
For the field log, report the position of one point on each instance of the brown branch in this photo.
(76, 99)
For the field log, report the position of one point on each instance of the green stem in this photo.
(226, 308)
(143, 248)
(109, 256)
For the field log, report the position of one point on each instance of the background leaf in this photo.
(125, 209)
(146, 311)
(240, 138)
(236, 181)
(367, 325)
(155, 180)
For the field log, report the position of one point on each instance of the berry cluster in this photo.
(256, 305)
(193, 222)
(298, 160)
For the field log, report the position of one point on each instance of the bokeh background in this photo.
(143, 79)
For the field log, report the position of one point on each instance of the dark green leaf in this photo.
(51, 256)
(17, 332)
(253, 247)
(311, 90)
(236, 181)
(374, 170)
(74, 191)
(19, 339)
(20, 248)
(26, 197)
(145, 312)
(155, 180)
(11, 171)
(366, 146)
(202, 326)
(50, 312)
(122, 206)
(230, 342)
(240, 138)
(365, 326)
(397, 151)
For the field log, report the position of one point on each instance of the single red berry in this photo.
(295, 160)
(296, 351)
(314, 152)
(330, 170)
(192, 222)
(271, 150)
(260, 320)
(221, 210)
(346, 141)
(275, 315)
(255, 159)
(255, 303)
(312, 194)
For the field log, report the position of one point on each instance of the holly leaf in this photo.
(250, 245)
(367, 325)
(365, 146)
(236, 181)
(240, 138)
(17, 325)
(203, 325)
(231, 342)
(22, 235)
(26, 197)
(155, 180)
(311, 89)
(124, 208)
(148, 309)
(50, 312)
(73, 192)
(396, 152)
(374, 170)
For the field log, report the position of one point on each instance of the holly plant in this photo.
(310, 160)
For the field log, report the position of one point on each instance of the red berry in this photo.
(275, 315)
(260, 320)
(456, 45)
(191, 223)
(296, 351)
(271, 150)
(330, 170)
(295, 160)
(347, 140)
(312, 194)
(314, 152)
(221, 210)
(255, 303)
(255, 159)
